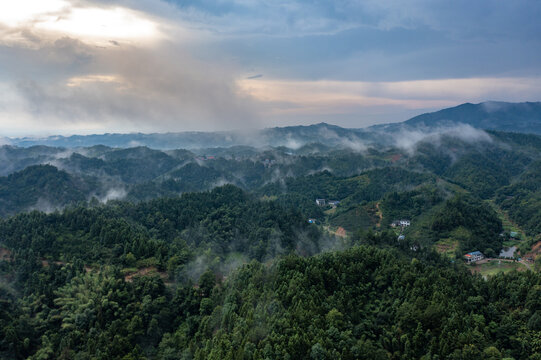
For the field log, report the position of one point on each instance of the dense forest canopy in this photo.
(223, 253)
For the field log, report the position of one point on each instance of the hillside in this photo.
(491, 115)
(41, 187)
(377, 300)
(501, 116)
(486, 166)
(151, 256)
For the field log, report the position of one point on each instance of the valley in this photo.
(225, 253)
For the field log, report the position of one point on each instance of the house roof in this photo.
(474, 253)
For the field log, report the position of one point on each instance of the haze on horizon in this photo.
(95, 66)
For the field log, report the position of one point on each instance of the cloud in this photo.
(67, 71)
(461, 19)
(296, 97)
(269, 18)
(78, 81)
(113, 194)
(28, 11)
(88, 66)
(4, 141)
(44, 205)
(97, 23)
(408, 139)
(26, 22)
(84, 88)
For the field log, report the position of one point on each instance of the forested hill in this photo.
(496, 167)
(221, 223)
(157, 280)
(365, 302)
(491, 115)
(225, 254)
(41, 187)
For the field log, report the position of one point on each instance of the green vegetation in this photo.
(335, 305)
(522, 200)
(484, 172)
(410, 204)
(449, 246)
(167, 233)
(494, 267)
(479, 225)
(41, 186)
(185, 269)
(353, 217)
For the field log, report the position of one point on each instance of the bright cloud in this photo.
(155, 65)
(335, 97)
(89, 79)
(113, 23)
(23, 12)
(25, 21)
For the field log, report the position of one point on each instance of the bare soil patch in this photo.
(341, 232)
(5, 254)
(534, 253)
(396, 157)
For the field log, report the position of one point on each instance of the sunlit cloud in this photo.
(88, 79)
(31, 20)
(339, 97)
(23, 12)
(114, 23)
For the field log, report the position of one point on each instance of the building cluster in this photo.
(323, 202)
(474, 256)
(402, 223)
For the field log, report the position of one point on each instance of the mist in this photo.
(407, 139)
(113, 194)
(46, 206)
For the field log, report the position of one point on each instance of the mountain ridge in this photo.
(524, 117)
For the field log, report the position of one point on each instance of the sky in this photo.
(91, 66)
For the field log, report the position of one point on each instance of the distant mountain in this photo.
(492, 115)
(184, 140)
(291, 137)
(501, 116)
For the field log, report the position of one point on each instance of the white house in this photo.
(405, 223)
(333, 203)
(474, 256)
